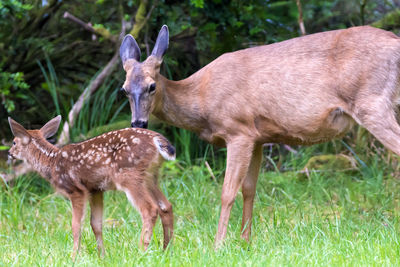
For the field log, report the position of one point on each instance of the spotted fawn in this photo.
(127, 160)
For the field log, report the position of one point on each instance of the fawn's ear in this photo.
(129, 49)
(51, 128)
(19, 131)
(162, 43)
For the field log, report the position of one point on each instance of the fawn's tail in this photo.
(164, 147)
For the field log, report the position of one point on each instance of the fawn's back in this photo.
(95, 164)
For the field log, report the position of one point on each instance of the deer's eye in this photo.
(152, 88)
(14, 143)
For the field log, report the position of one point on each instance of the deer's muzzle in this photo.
(139, 124)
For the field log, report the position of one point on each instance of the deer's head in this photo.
(23, 138)
(140, 84)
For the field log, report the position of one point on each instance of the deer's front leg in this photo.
(96, 219)
(238, 161)
(249, 191)
(78, 211)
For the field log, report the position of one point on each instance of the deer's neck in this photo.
(179, 103)
(42, 157)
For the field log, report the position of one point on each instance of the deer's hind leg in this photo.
(377, 114)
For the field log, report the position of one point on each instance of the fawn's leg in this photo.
(141, 198)
(249, 191)
(166, 214)
(78, 201)
(96, 219)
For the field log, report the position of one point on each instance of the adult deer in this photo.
(127, 160)
(301, 91)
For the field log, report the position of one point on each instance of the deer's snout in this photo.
(139, 124)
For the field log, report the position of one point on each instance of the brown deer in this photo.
(302, 91)
(127, 160)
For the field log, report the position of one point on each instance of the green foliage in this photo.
(197, 3)
(12, 8)
(100, 110)
(12, 88)
(51, 84)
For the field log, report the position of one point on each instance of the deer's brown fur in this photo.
(127, 160)
(301, 91)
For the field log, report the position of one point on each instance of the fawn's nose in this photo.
(139, 124)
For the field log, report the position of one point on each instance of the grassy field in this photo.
(337, 218)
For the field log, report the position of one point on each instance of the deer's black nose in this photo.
(139, 124)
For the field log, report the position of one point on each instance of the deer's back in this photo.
(292, 91)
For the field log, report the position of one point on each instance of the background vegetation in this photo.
(340, 217)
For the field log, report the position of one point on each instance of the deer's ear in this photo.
(51, 128)
(19, 131)
(162, 42)
(129, 49)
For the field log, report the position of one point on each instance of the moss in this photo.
(140, 19)
(389, 21)
(331, 162)
(105, 33)
(328, 163)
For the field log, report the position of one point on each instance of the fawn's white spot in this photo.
(136, 141)
(108, 160)
(64, 154)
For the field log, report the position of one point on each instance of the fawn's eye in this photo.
(14, 143)
(152, 88)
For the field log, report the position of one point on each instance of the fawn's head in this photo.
(140, 83)
(23, 138)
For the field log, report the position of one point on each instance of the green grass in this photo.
(337, 219)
